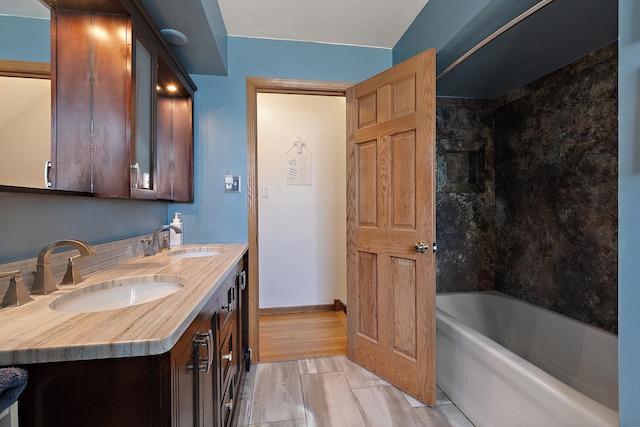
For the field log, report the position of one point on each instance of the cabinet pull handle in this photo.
(207, 340)
(243, 280)
(229, 405)
(210, 348)
(47, 174)
(135, 179)
(228, 357)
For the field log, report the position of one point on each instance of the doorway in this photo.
(254, 87)
(302, 222)
(391, 153)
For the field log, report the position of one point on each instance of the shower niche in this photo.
(461, 167)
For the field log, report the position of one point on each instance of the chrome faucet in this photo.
(44, 282)
(153, 245)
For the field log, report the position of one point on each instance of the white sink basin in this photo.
(197, 252)
(119, 293)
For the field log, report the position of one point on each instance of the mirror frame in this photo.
(27, 69)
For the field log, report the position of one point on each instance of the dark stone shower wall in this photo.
(465, 201)
(556, 191)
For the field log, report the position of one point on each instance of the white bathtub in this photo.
(508, 363)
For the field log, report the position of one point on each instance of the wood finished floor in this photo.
(302, 335)
(303, 389)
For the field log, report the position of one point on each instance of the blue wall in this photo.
(28, 222)
(220, 122)
(629, 211)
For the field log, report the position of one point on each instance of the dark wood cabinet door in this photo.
(175, 149)
(111, 114)
(90, 115)
(185, 386)
(71, 102)
(97, 393)
(183, 150)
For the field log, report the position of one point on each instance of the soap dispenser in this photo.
(175, 239)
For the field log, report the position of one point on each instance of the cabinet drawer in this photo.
(227, 404)
(227, 303)
(227, 357)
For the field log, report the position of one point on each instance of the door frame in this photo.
(257, 85)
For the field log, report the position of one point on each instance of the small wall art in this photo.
(299, 162)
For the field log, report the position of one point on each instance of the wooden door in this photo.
(390, 208)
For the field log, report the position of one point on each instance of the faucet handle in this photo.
(17, 294)
(72, 275)
(165, 243)
(149, 247)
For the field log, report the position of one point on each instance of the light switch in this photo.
(228, 180)
(232, 184)
(235, 184)
(265, 192)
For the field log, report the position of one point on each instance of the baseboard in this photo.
(338, 305)
(297, 309)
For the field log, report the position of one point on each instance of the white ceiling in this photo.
(374, 23)
(26, 8)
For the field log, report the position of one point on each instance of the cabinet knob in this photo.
(229, 405)
(227, 307)
(228, 357)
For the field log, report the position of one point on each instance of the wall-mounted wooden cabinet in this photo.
(175, 148)
(121, 107)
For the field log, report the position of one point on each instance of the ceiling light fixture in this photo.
(174, 37)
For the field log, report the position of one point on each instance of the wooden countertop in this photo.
(35, 333)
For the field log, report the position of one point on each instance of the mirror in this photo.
(25, 131)
(25, 94)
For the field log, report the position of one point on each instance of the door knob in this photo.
(421, 247)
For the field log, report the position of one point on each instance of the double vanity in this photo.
(149, 337)
(150, 341)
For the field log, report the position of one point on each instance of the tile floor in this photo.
(334, 392)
